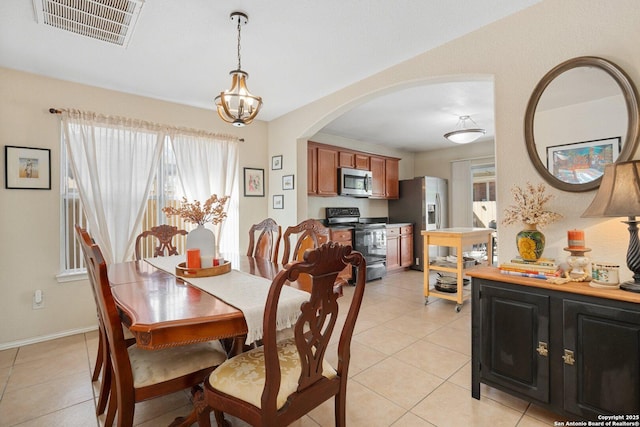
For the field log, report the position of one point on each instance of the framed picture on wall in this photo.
(276, 162)
(584, 161)
(253, 182)
(287, 182)
(27, 168)
(278, 201)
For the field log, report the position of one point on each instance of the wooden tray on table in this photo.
(216, 270)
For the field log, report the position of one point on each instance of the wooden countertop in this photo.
(583, 288)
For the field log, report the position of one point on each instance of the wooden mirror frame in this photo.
(631, 99)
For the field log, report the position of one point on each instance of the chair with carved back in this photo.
(310, 234)
(281, 381)
(139, 374)
(164, 234)
(267, 245)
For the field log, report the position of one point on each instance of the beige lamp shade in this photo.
(619, 192)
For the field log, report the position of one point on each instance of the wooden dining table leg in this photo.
(200, 413)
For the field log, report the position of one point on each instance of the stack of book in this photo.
(541, 269)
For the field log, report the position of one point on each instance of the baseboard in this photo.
(20, 343)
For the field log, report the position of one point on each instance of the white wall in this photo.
(29, 222)
(517, 51)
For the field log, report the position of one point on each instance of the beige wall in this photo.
(29, 225)
(517, 51)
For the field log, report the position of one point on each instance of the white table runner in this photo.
(246, 292)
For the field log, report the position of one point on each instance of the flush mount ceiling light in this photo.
(237, 105)
(465, 135)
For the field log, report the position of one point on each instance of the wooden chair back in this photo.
(313, 330)
(124, 393)
(267, 244)
(103, 359)
(164, 234)
(310, 234)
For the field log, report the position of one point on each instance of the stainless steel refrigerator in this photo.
(423, 202)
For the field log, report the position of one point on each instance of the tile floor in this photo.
(410, 367)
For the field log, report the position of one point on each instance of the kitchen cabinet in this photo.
(324, 160)
(571, 348)
(346, 159)
(399, 247)
(457, 238)
(327, 172)
(378, 177)
(392, 184)
(406, 246)
(385, 183)
(362, 162)
(343, 236)
(312, 169)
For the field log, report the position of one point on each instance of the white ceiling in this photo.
(295, 51)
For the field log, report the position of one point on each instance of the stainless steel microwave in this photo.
(355, 182)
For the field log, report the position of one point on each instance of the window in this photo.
(166, 188)
(484, 195)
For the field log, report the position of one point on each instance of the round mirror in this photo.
(581, 116)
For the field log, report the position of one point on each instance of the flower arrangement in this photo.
(530, 206)
(212, 211)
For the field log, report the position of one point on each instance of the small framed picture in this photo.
(27, 168)
(276, 162)
(278, 201)
(253, 182)
(287, 182)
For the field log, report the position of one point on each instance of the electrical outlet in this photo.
(417, 261)
(38, 300)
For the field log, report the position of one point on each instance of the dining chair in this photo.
(310, 234)
(103, 359)
(164, 234)
(281, 381)
(139, 374)
(268, 243)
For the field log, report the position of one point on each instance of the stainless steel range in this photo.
(369, 237)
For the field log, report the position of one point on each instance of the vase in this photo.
(530, 242)
(202, 238)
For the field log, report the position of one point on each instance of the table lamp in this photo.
(619, 196)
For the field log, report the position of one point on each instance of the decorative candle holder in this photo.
(578, 263)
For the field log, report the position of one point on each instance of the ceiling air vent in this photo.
(111, 21)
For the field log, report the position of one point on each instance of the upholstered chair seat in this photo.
(154, 367)
(231, 376)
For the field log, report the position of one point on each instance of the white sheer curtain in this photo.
(113, 160)
(207, 165)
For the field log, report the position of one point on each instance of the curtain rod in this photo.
(60, 111)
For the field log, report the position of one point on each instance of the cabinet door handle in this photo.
(543, 349)
(568, 357)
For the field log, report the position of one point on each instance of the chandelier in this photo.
(465, 135)
(237, 105)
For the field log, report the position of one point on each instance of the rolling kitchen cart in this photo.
(457, 238)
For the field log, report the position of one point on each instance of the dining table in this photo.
(163, 309)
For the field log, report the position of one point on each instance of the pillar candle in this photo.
(193, 258)
(207, 261)
(576, 238)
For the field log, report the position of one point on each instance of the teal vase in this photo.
(530, 242)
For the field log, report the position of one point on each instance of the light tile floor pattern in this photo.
(410, 367)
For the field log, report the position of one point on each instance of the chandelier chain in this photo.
(239, 65)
